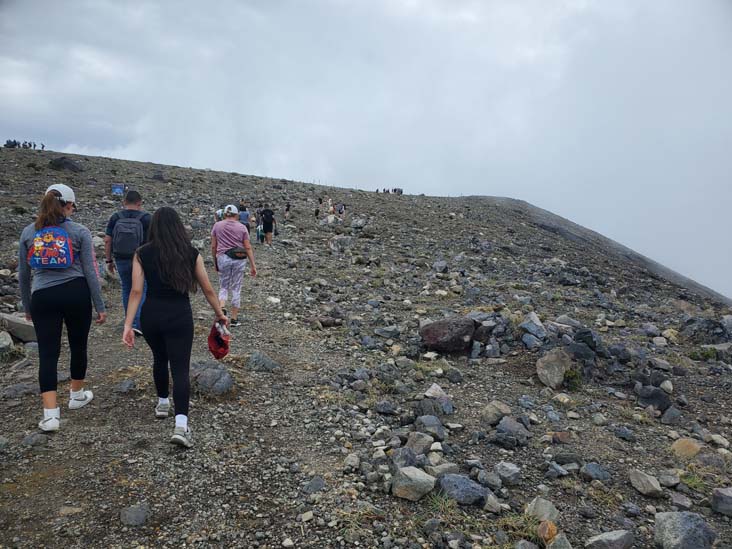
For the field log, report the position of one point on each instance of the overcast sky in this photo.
(616, 114)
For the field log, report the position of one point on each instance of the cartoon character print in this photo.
(47, 238)
(61, 244)
(37, 245)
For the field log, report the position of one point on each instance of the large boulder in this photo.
(211, 377)
(412, 483)
(704, 331)
(448, 335)
(682, 531)
(260, 362)
(65, 163)
(552, 367)
(18, 327)
(462, 489)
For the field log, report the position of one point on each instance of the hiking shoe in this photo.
(49, 424)
(234, 323)
(162, 410)
(182, 437)
(137, 332)
(76, 403)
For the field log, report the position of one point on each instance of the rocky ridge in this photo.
(428, 372)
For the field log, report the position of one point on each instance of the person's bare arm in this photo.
(250, 255)
(214, 245)
(138, 284)
(108, 253)
(208, 291)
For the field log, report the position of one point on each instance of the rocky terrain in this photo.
(427, 372)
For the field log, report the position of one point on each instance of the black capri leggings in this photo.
(51, 308)
(167, 326)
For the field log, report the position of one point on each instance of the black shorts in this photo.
(267, 227)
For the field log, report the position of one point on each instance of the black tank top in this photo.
(156, 287)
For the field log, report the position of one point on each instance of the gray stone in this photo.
(560, 542)
(6, 342)
(509, 473)
(681, 501)
(494, 411)
(491, 480)
(432, 426)
(419, 442)
(594, 471)
(617, 539)
(523, 544)
(352, 462)
(260, 362)
(403, 457)
(552, 367)
(340, 244)
(722, 501)
(533, 325)
(462, 489)
(646, 484)
(125, 386)
(211, 377)
(18, 390)
(316, 484)
(511, 427)
(4, 443)
(386, 407)
(135, 515)
(530, 341)
(412, 483)
(442, 469)
(35, 439)
(542, 509)
(18, 327)
(448, 335)
(682, 531)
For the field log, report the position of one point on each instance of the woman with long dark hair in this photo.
(173, 269)
(65, 283)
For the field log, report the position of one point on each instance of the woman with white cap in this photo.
(65, 283)
(230, 247)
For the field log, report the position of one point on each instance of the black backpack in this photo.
(267, 216)
(128, 234)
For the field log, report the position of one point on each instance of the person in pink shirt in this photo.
(230, 248)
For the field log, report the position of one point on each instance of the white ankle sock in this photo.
(163, 400)
(77, 394)
(181, 421)
(51, 412)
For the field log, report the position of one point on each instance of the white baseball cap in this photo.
(66, 192)
(231, 209)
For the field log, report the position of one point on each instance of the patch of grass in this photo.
(519, 526)
(694, 481)
(703, 355)
(573, 379)
(607, 499)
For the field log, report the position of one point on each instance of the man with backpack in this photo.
(127, 231)
(268, 224)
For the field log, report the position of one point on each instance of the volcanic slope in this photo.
(411, 376)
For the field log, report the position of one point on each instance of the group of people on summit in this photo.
(158, 268)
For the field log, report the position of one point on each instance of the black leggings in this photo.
(51, 308)
(167, 325)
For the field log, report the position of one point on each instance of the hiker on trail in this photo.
(172, 268)
(43, 146)
(341, 210)
(126, 231)
(268, 224)
(230, 248)
(287, 211)
(244, 216)
(218, 215)
(65, 283)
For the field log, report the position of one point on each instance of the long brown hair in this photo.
(51, 211)
(175, 253)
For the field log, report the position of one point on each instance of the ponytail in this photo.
(51, 211)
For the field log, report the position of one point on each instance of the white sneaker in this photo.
(162, 410)
(49, 424)
(182, 437)
(76, 403)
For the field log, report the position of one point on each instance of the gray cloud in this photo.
(616, 115)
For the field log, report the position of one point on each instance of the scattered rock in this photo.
(552, 367)
(682, 530)
(412, 483)
(646, 484)
(618, 539)
(722, 501)
(260, 362)
(135, 515)
(542, 509)
(211, 377)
